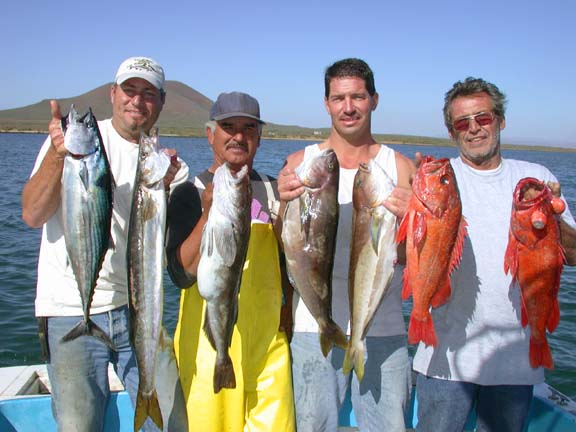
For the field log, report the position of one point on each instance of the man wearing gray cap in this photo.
(262, 398)
(78, 369)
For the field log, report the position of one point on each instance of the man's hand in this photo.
(55, 130)
(172, 169)
(397, 201)
(289, 185)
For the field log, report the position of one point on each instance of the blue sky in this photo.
(277, 51)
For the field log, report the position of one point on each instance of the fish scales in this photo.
(87, 211)
(434, 230)
(534, 257)
(309, 238)
(372, 256)
(145, 258)
(223, 251)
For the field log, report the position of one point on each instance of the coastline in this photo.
(381, 138)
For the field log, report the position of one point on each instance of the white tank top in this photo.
(388, 320)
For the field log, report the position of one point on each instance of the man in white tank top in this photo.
(482, 356)
(319, 384)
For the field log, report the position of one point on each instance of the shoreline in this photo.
(381, 138)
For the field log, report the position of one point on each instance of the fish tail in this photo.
(332, 335)
(88, 328)
(354, 357)
(147, 407)
(422, 330)
(540, 354)
(224, 376)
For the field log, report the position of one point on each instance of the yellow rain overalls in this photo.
(263, 398)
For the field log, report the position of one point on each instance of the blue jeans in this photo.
(78, 371)
(379, 401)
(444, 405)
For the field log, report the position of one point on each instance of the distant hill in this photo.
(185, 113)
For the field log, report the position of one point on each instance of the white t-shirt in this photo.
(56, 291)
(388, 320)
(480, 338)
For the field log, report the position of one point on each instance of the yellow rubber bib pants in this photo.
(263, 398)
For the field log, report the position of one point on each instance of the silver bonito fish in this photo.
(309, 238)
(145, 257)
(372, 256)
(86, 211)
(222, 254)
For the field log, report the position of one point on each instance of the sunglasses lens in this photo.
(484, 119)
(462, 124)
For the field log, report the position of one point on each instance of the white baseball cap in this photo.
(141, 67)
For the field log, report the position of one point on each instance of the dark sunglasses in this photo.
(483, 119)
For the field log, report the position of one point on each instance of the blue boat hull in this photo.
(28, 413)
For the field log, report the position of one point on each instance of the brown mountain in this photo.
(185, 113)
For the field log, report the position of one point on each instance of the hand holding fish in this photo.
(289, 185)
(172, 169)
(398, 200)
(55, 130)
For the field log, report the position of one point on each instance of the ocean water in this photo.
(19, 244)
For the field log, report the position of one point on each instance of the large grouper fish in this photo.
(434, 230)
(309, 238)
(86, 211)
(372, 256)
(534, 257)
(145, 259)
(223, 251)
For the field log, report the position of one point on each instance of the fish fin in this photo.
(442, 295)
(354, 357)
(459, 245)
(224, 376)
(419, 228)
(422, 330)
(523, 315)
(511, 256)
(331, 335)
(375, 230)
(406, 287)
(403, 228)
(225, 243)
(305, 215)
(207, 243)
(147, 408)
(540, 354)
(208, 330)
(89, 328)
(554, 317)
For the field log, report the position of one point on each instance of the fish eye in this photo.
(444, 180)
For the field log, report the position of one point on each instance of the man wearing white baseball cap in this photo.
(78, 369)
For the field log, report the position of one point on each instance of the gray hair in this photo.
(471, 86)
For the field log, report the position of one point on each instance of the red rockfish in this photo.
(434, 229)
(534, 257)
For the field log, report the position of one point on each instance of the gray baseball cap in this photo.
(235, 104)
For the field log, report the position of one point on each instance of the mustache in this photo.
(234, 143)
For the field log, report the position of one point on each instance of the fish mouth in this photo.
(529, 191)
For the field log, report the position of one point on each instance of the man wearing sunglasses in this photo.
(482, 356)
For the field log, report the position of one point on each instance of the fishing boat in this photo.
(25, 405)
